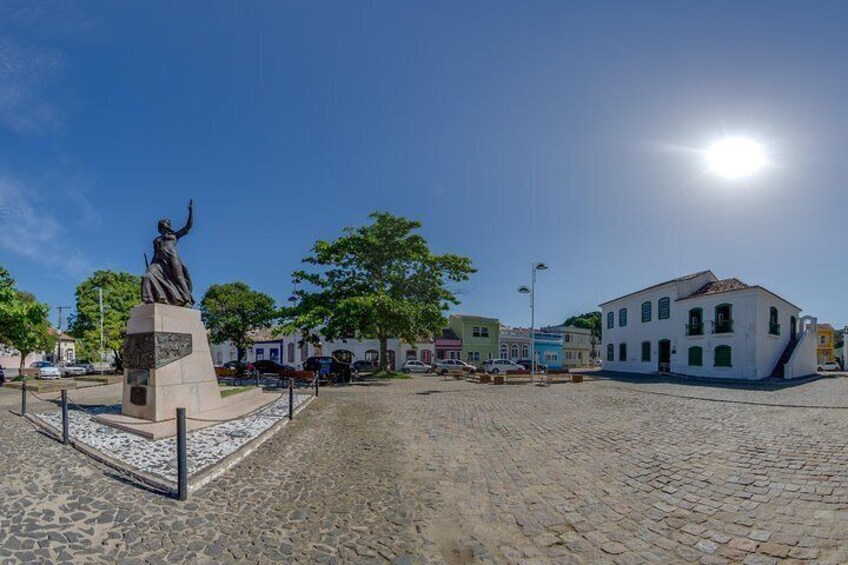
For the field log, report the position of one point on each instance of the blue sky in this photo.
(566, 132)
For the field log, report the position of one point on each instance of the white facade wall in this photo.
(755, 351)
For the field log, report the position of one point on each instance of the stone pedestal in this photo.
(167, 364)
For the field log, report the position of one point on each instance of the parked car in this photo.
(445, 366)
(268, 367)
(363, 366)
(327, 366)
(72, 370)
(527, 362)
(829, 366)
(415, 366)
(46, 370)
(90, 369)
(496, 366)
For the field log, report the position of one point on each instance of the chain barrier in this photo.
(35, 395)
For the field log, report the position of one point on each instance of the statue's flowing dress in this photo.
(167, 280)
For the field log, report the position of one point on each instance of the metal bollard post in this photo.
(291, 399)
(66, 439)
(23, 397)
(256, 372)
(316, 385)
(182, 459)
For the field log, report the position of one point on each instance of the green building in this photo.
(480, 336)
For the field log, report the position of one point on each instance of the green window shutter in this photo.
(696, 356)
(610, 352)
(610, 320)
(723, 356)
(646, 351)
(663, 308)
(622, 352)
(646, 312)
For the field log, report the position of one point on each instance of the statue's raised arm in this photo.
(189, 223)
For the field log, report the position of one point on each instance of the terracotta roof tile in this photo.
(719, 287)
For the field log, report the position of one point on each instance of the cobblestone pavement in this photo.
(428, 470)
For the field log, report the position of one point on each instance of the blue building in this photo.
(515, 345)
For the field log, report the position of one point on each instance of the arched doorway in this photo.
(391, 354)
(426, 356)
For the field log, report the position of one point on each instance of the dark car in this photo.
(268, 367)
(527, 362)
(327, 367)
(363, 366)
(89, 367)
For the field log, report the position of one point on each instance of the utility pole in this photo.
(100, 296)
(59, 337)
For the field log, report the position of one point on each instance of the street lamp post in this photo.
(532, 292)
(59, 330)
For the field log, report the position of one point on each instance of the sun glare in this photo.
(736, 157)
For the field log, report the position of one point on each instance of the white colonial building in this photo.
(698, 325)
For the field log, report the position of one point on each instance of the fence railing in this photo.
(182, 487)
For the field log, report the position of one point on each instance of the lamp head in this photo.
(523, 290)
(540, 267)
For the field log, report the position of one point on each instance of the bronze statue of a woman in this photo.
(167, 280)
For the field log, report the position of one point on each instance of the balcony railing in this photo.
(774, 329)
(695, 328)
(723, 327)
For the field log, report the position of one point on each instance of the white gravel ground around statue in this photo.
(205, 447)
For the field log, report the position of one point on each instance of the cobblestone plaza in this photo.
(433, 471)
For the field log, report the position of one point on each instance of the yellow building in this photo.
(824, 343)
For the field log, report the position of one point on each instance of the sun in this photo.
(736, 157)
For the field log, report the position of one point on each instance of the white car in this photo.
(495, 366)
(413, 366)
(446, 366)
(829, 366)
(72, 370)
(45, 370)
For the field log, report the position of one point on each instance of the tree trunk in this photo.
(384, 354)
(23, 359)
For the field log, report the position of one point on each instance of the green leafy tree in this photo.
(232, 311)
(588, 321)
(24, 323)
(376, 281)
(121, 291)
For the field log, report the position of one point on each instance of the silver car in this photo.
(46, 370)
(73, 370)
(413, 366)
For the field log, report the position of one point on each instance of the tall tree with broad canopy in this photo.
(24, 323)
(232, 311)
(376, 281)
(121, 291)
